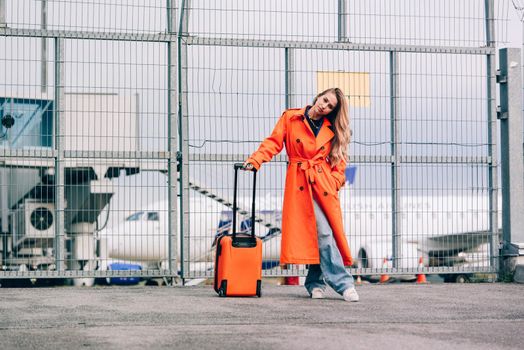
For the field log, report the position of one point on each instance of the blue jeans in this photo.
(331, 269)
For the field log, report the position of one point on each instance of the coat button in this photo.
(298, 140)
(301, 188)
(299, 164)
(322, 148)
(325, 193)
(319, 170)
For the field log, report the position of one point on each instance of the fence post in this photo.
(3, 23)
(341, 19)
(172, 135)
(493, 188)
(509, 113)
(4, 210)
(43, 59)
(183, 135)
(289, 68)
(395, 159)
(59, 160)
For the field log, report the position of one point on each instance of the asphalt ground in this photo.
(393, 316)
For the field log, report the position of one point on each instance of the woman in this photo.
(316, 139)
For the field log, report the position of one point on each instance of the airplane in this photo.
(141, 238)
(445, 230)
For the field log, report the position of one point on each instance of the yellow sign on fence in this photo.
(354, 84)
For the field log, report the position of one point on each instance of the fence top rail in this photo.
(210, 41)
(92, 35)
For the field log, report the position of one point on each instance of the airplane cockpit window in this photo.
(152, 216)
(135, 217)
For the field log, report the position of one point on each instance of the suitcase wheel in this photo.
(259, 288)
(223, 289)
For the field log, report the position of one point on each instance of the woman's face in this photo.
(325, 104)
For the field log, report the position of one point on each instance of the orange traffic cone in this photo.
(421, 278)
(358, 281)
(384, 277)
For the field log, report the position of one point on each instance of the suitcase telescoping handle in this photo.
(242, 241)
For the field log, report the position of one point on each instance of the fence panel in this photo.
(417, 77)
(85, 164)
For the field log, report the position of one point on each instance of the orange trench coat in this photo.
(309, 175)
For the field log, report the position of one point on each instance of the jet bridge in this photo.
(94, 128)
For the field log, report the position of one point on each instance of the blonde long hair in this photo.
(339, 118)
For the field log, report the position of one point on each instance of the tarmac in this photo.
(392, 316)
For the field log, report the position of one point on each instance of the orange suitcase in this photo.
(238, 262)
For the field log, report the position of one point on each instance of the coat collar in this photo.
(325, 134)
(326, 131)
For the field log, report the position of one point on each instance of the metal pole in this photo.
(169, 14)
(59, 161)
(43, 81)
(172, 145)
(3, 23)
(183, 135)
(288, 76)
(492, 137)
(493, 197)
(341, 18)
(511, 141)
(4, 210)
(395, 159)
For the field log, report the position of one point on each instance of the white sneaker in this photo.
(317, 293)
(350, 294)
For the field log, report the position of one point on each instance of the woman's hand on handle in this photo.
(248, 166)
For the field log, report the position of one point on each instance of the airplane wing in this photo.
(453, 249)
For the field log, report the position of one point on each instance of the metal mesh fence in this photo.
(121, 16)
(417, 79)
(129, 115)
(84, 164)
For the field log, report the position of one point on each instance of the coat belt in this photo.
(310, 166)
